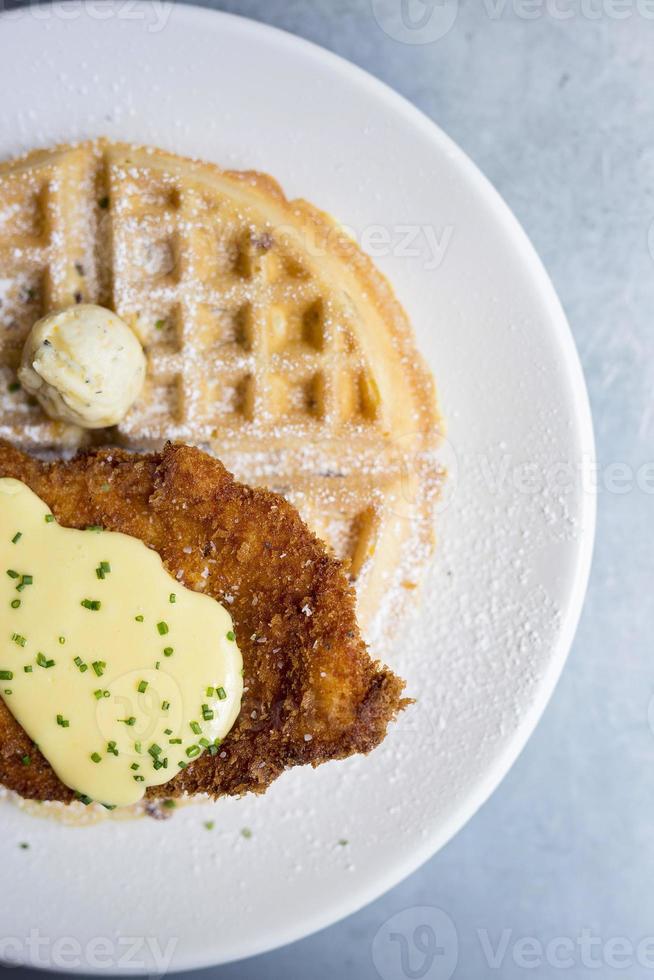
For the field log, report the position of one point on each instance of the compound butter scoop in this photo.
(84, 365)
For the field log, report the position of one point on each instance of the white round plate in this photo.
(516, 529)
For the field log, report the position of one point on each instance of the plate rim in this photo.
(396, 871)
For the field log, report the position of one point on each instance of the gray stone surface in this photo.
(559, 112)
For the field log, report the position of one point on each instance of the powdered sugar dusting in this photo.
(258, 350)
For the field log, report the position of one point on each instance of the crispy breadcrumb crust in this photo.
(312, 692)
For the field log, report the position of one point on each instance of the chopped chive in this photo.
(193, 751)
(162, 627)
(195, 728)
(222, 694)
(20, 640)
(174, 741)
(6, 675)
(25, 580)
(86, 800)
(17, 536)
(135, 766)
(138, 779)
(99, 573)
(49, 518)
(62, 640)
(246, 832)
(81, 666)
(142, 687)
(165, 705)
(99, 666)
(96, 757)
(62, 722)
(95, 527)
(210, 692)
(93, 604)
(207, 713)
(98, 694)
(182, 765)
(231, 636)
(160, 324)
(155, 750)
(139, 619)
(105, 566)
(128, 721)
(15, 603)
(112, 749)
(168, 651)
(157, 665)
(26, 760)
(168, 731)
(28, 669)
(43, 661)
(169, 804)
(138, 747)
(205, 743)
(209, 824)
(8, 691)
(12, 574)
(172, 598)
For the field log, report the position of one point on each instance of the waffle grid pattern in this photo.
(237, 330)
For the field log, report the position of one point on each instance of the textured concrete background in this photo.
(555, 103)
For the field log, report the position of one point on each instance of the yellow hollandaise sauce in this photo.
(120, 675)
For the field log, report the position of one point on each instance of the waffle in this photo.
(271, 340)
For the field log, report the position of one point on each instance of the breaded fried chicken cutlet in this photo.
(312, 693)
